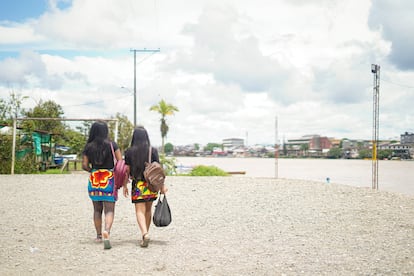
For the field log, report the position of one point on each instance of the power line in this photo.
(145, 58)
(399, 84)
(97, 102)
(153, 51)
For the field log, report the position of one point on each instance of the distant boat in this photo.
(237, 172)
(181, 169)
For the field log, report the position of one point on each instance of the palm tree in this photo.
(164, 109)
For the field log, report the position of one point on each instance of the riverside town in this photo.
(307, 146)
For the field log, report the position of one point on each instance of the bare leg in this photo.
(97, 217)
(143, 214)
(140, 210)
(148, 213)
(109, 209)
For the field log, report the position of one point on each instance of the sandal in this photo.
(145, 240)
(107, 244)
(98, 238)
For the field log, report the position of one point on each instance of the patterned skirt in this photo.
(101, 185)
(141, 193)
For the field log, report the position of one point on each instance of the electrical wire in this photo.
(97, 102)
(138, 62)
(398, 84)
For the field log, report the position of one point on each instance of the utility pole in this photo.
(135, 76)
(375, 69)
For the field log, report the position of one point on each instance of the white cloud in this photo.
(16, 34)
(395, 21)
(230, 66)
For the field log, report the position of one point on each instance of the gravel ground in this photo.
(221, 226)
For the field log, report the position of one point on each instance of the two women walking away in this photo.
(98, 160)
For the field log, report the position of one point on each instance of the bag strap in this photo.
(113, 153)
(149, 154)
(114, 189)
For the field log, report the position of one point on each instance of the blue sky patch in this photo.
(19, 11)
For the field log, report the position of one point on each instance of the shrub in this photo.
(168, 164)
(24, 165)
(202, 170)
(5, 153)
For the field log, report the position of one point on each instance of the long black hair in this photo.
(139, 151)
(98, 143)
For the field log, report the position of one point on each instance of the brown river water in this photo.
(393, 176)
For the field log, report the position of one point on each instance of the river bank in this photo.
(221, 226)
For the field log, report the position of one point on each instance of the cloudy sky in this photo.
(230, 66)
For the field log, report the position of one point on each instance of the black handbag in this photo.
(162, 213)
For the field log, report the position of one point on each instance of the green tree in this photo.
(164, 109)
(365, 154)
(384, 154)
(168, 148)
(25, 164)
(196, 146)
(212, 146)
(5, 153)
(75, 140)
(125, 130)
(48, 109)
(360, 145)
(84, 128)
(285, 149)
(11, 108)
(335, 153)
(3, 111)
(304, 148)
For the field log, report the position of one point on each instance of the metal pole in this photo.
(135, 88)
(375, 69)
(135, 78)
(14, 146)
(276, 149)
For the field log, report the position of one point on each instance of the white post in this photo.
(14, 146)
(276, 150)
(116, 131)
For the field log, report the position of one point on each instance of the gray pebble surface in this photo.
(221, 226)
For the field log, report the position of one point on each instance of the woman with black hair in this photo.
(141, 196)
(99, 161)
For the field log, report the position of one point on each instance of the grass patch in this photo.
(202, 170)
(54, 171)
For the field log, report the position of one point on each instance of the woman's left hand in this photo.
(125, 190)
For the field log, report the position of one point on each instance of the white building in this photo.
(232, 143)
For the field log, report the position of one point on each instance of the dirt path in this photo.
(221, 226)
